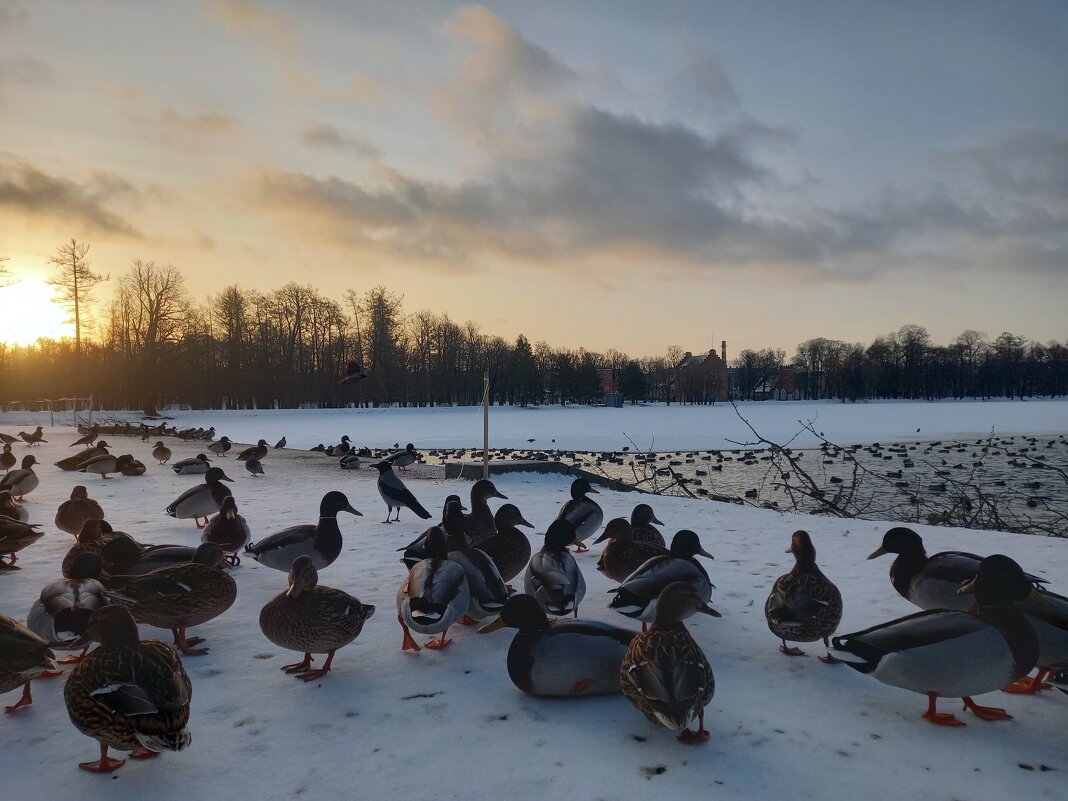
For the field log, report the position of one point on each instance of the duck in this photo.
(10, 509)
(509, 547)
(23, 481)
(104, 464)
(1047, 612)
(7, 439)
(124, 556)
(665, 674)
(7, 459)
(161, 452)
(130, 466)
(197, 465)
(485, 585)
(553, 577)
(623, 554)
(321, 542)
(341, 448)
(257, 451)
(952, 653)
(804, 605)
(395, 494)
(73, 513)
(313, 619)
(254, 467)
(403, 458)
(60, 615)
(433, 596)
(568, 659)
(78, 460)
(88, 438)
(350, 461)
(23, 657)
(228, 530)
(642, 518)
(129, 694)
(415, 551)
(221, 446)
(480, 522)
(14, 536)
(180, 596)
(203, 499)
(929, 582)
(637, 596)
(90, 540)
(582, 512)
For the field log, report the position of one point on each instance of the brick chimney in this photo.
(723, 350)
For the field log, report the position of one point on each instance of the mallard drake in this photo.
(341, 448)
(930, 582)
(403, 458)
(257, 451)
(582, 512)
(312, 619)
(23, 657)
(484, 581)
(350, 461)
(950, 653)
(106, 463)
(623, 554)
(7, 459)
(12, 510)
(642, 518)
(196, 466)
(415, 551)
(804, 605)
(22, 482)
(122, 555)
(180, 596)
(161, 453)
(228, 530)
(479, 523)
(433, 596)
(569, 658)
(509, 547)
(73, 513)
(14, 536)
(78, 460)
(665, 674)
(553, 577)
(321, 542)
(202, 500)
(1047, 613)
(60, 615)
(128, 693)
(637, 596)
(221, 446)
(395, 494)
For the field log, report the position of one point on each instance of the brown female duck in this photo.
(73, 513)
(624, 554)
(804, 605)
(23, 657)
(479, 521)
(509, 547)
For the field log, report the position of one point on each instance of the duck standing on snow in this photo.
(403, 458)
(312, 619)
(623, 554)
(60, 615)
(22, 482)
(105, 463)
(23, 657)
(7, 459)
(321, 542)
(433, 596)
(203, 500)
(509, 548)
(129, 694)
(257, 452)
(415, 551)
(553, 577)
(582, 512)
(180, 596)
(228, 530)
(804, 605)
(395, 494)
(14, 536)
(161, 453)
(221, 446)
(949, 653)
(72, 514)
(637, 596)
(195, 466)
(665, 674)
(480, 522)
(484, 581)
(641, 521)
(564, 660)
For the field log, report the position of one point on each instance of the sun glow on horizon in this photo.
(28, 312)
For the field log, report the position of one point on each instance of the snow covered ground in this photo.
(390, 725)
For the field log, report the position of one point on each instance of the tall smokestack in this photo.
(723, 350)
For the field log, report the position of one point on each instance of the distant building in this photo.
(784, 387)
(703, 378)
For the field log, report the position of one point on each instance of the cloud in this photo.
(322, 135)
(28, 189)
(1024, 162)
(201, 124)
(255, 23)
(12, 13)
(24, 71)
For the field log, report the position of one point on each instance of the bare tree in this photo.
(7, 278)
(75, 281)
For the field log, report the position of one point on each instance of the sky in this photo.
(605, 174)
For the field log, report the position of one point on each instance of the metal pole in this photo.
(485, 424)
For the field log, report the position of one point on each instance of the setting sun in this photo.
(28, 312)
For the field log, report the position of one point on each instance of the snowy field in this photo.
(653, 427)
(391, 725)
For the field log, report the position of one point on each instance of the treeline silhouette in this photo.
(154, 345)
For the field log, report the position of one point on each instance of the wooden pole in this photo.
(485, 424)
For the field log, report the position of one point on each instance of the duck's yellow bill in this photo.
(494, 625)
(877, 553)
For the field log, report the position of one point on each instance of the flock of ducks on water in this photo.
(985, 624)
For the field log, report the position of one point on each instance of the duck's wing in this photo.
(864, 649)
(294, 537)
